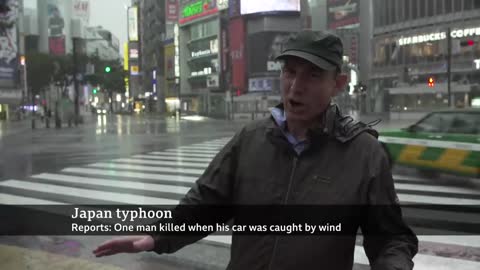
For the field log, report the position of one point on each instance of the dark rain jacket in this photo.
(344, 164)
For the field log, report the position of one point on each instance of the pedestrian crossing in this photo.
(163, 177)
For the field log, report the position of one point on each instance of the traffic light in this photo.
(467, 43)
(108, 69)
(94, 91)
(431, 82)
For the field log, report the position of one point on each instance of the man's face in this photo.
(306, 89)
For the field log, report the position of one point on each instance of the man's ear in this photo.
(340, 83)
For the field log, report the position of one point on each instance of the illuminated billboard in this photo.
(343, 13)
(194, 9)
(133, 23)
(255, 6)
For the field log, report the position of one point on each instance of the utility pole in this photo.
(75, 81)
(449, 66)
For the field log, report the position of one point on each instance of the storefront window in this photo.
(380, 55)
(205, 29)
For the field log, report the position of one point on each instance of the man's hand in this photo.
(130, 244)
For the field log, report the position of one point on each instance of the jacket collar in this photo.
(330, 124)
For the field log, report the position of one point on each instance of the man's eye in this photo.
(288, 71)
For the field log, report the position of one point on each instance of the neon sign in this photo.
(457, 33)
(198, 9)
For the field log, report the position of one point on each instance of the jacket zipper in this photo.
(295, 161)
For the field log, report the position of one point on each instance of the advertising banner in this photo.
(343, 13)
(194, 9)
(263, 49)
(255, 6)
(237, 52)
(133, 23)
(9, 46)
(171, 10)
(56, 45)
(81, 10)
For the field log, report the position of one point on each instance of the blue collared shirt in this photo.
(281, 120)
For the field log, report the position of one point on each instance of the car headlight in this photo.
(104, 111)
(99, 111)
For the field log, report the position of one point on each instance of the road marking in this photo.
(20, 200)
(122, 198)
(113, 183)
(181, 159)
(460, 240)
(186, 151)
(162, 162)
(201, 148)
(145, 168)
(409, 178)
(424, 199)
(183, 154)
(436, 188)
(159, 177)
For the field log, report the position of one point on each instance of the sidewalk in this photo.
(8, 128)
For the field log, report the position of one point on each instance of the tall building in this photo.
(199, 59)
(152, 37)
(105, 46)
(410, 50)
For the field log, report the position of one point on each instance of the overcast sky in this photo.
(110, 14)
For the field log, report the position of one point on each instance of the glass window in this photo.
(388, 6)
(457, 5)
(435, 122)
(476, 4)
(439, 6)
(382, 16)
(415, 9)
(422, 9)
(407, 10)
(468, 5)
(430, 8)
(465, 123)
(448, 6)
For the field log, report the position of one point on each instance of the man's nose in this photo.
(298, 85)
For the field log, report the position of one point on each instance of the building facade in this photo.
(199, 58)
(104, 44)
(152, 36)
(410, 55)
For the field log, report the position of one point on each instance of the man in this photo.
(305, 153)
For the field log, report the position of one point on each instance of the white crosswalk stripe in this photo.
(136, 180)
(162, 162)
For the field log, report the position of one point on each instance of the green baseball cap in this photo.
(321, 48)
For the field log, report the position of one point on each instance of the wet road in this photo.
(118, 159)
